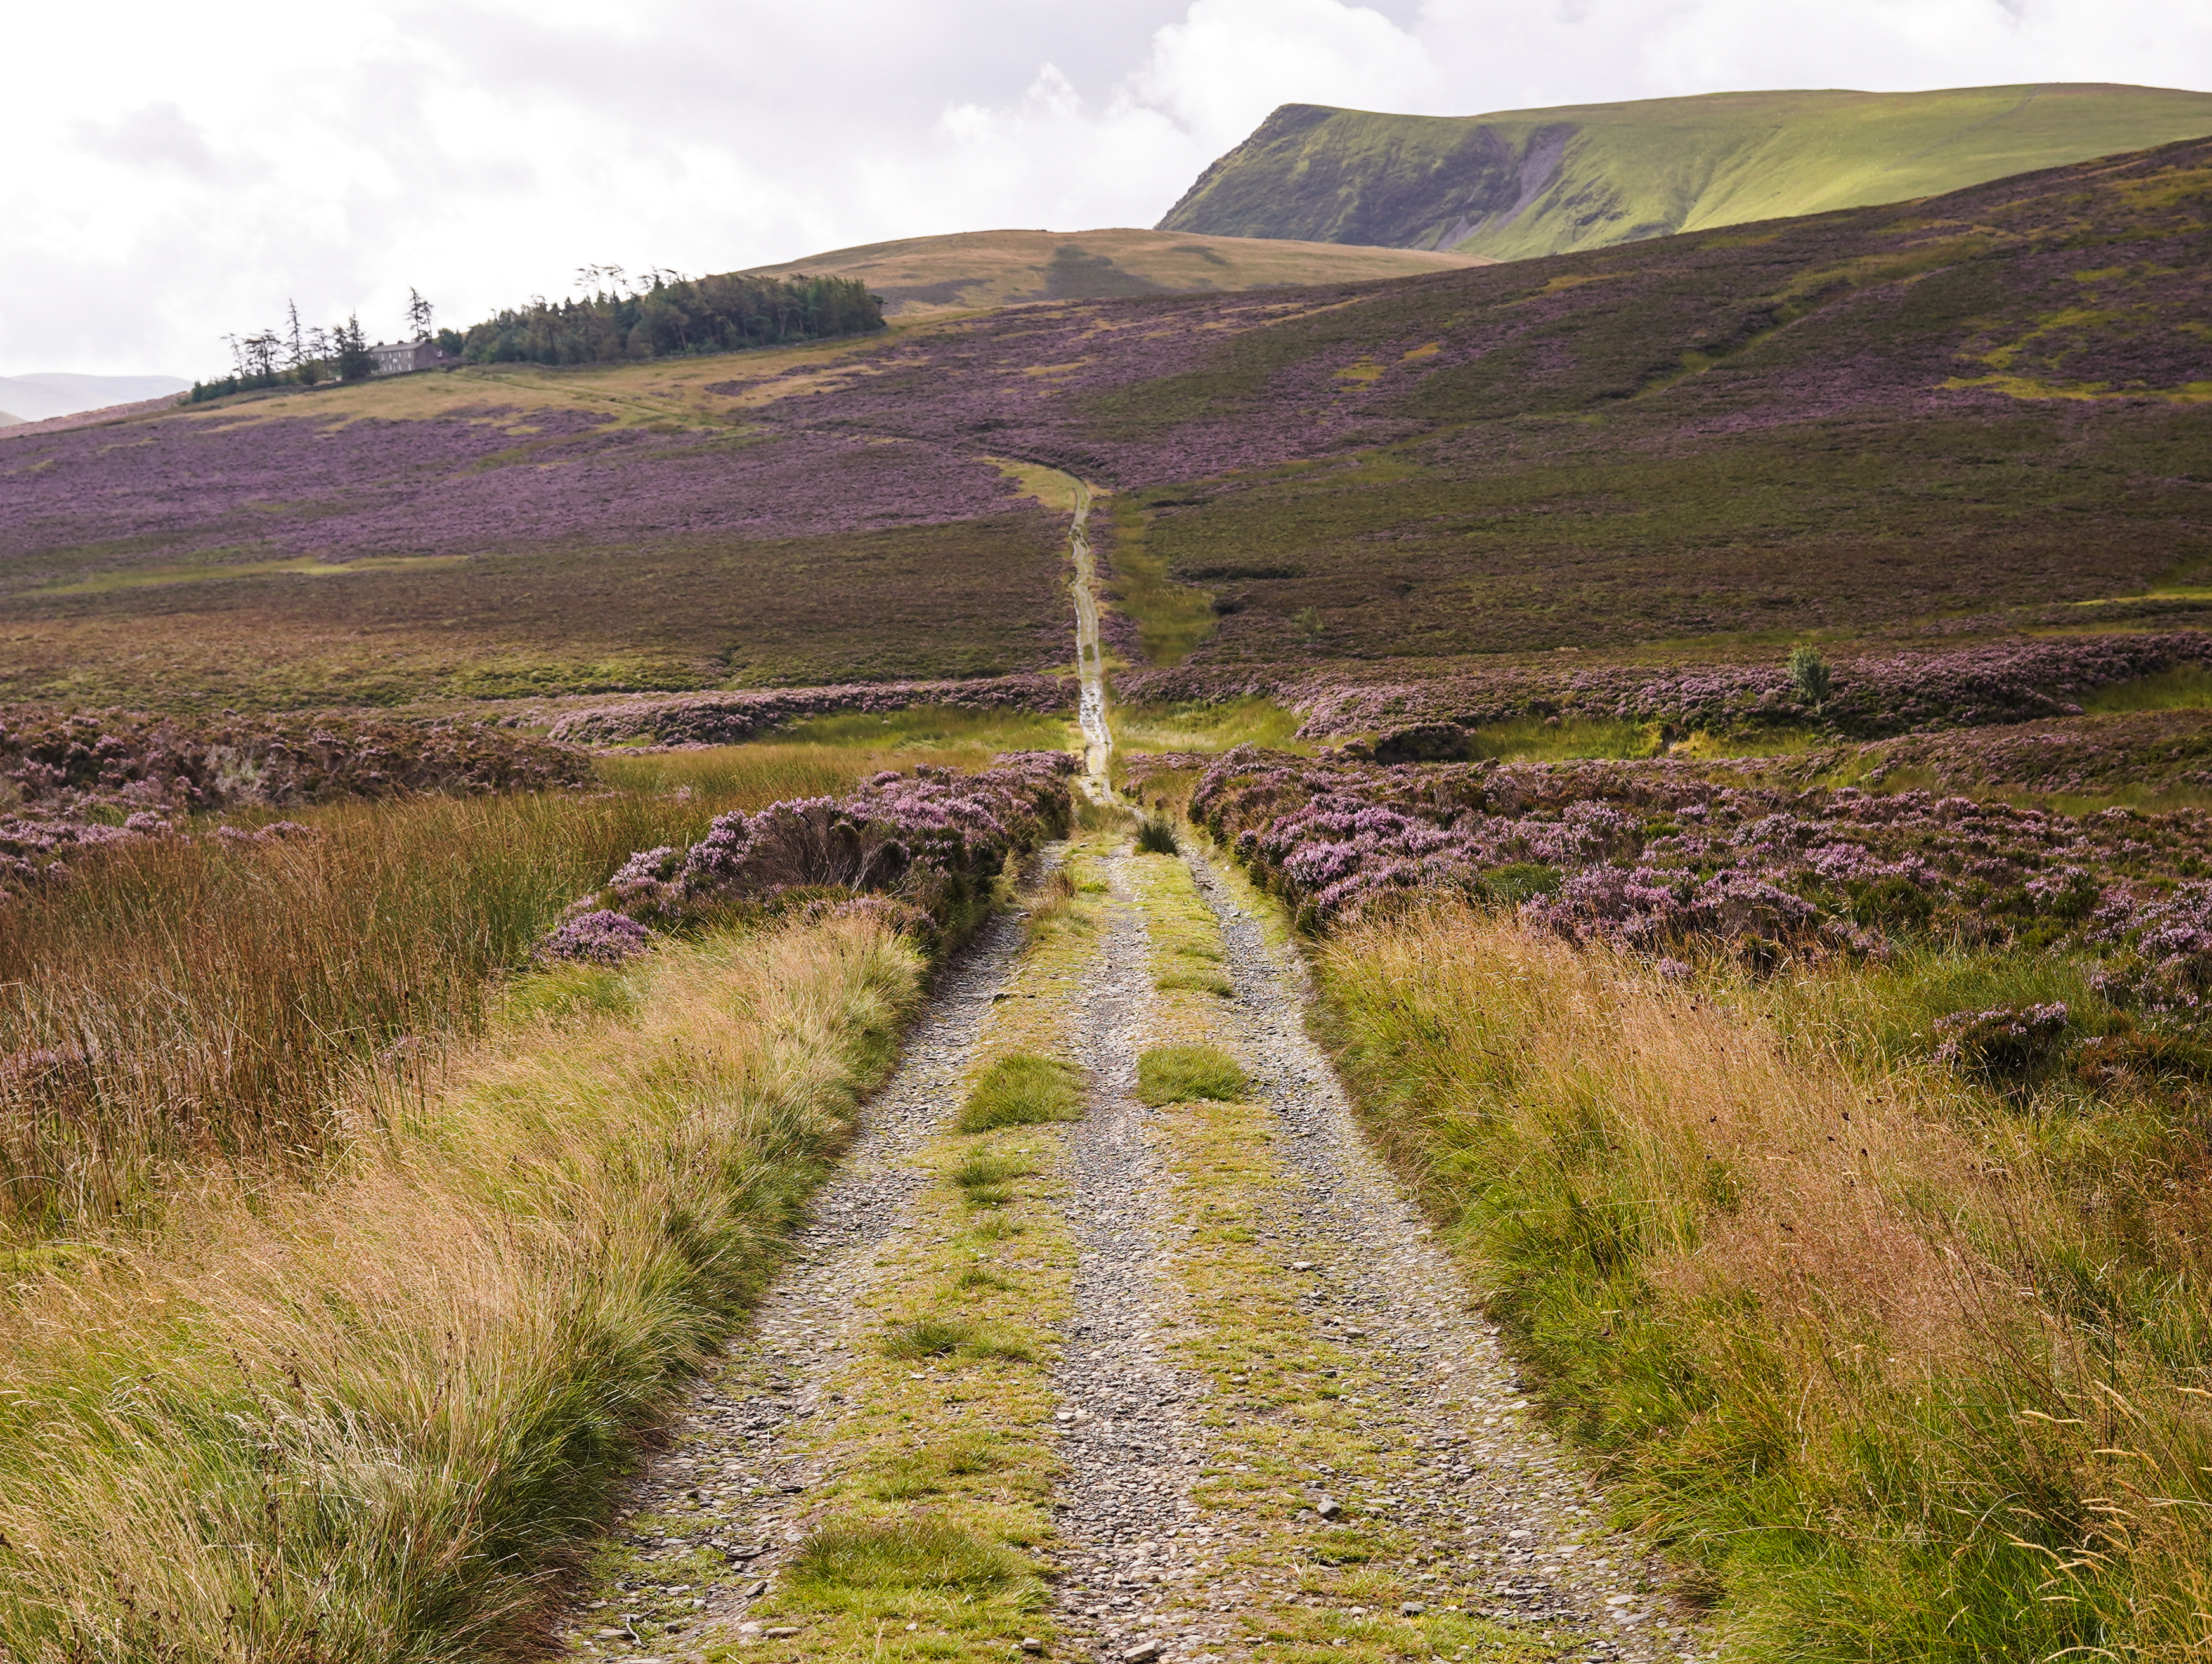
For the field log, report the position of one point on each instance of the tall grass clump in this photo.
(203, 1000)
(1022, 1089)
(1905, 1369)
(365, 1419)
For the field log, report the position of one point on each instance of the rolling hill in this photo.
(1521, 183)
(1982, 413)
(972, 268)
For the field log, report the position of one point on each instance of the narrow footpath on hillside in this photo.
(1179, 1375)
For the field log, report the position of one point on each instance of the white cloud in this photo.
(176, 173)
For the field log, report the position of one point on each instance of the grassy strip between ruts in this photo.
(932, 1540)
(366, 1420)
(1294, 1411)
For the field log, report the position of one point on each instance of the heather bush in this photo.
(1657, 854)
(935, 840)
(1869, 694)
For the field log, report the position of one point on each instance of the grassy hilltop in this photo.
(1521, 183)
(976, 269)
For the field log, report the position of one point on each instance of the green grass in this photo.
(2188, 688)
(1659, 166)
(1184, 1074)
(934, 728)
(844, 1563)
(1172, 618)
(1205, 728)
(933, 1469)
(1022, 1089)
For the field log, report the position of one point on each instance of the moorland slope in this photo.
(1969, 413)
(1528, 182)
(970, 270)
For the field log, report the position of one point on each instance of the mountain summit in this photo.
(1521, 183)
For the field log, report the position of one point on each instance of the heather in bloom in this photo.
(1652, 855)
(599, 937)
(920, 851)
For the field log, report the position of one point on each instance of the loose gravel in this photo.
(1504, 1526)
(1516, 1532)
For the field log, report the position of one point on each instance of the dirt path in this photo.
(1493, 1518)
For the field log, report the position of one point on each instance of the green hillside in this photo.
(1522, 182)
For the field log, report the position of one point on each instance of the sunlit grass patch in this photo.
(1181, 1074)
(929, 1470)
(1255, 721)
(2186, 687)
(1022, 1089)
(841, 1561)
(934, 727)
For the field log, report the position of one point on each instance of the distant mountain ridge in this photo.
(1522, 182)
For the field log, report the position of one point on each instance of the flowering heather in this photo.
(723, 718)
(464, 484)
(2082, 756)
(1873, 695)
(925, 846)
(599, 937)
(1652, 853)
(69, 777)
(68, 763)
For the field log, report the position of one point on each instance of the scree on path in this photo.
(1267, 1422)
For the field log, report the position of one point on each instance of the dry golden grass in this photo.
(968, 269)
(1856, 1338)
(364, 1419)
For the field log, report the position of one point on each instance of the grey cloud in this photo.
(151, 136)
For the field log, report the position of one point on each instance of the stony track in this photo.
(1277, 1422)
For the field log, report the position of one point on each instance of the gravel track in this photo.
(731, 1486)
(1128, 1454)
(1517, 1533)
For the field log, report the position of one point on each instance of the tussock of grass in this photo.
(984, 1177)
(1181, 1074)
(378, 1410)
(1157, 837)
(1909, 1367)
(928, 1337)
(898, 1555)
(953, 1337)
(1020, 1090)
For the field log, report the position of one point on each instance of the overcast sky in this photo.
(173, 172)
